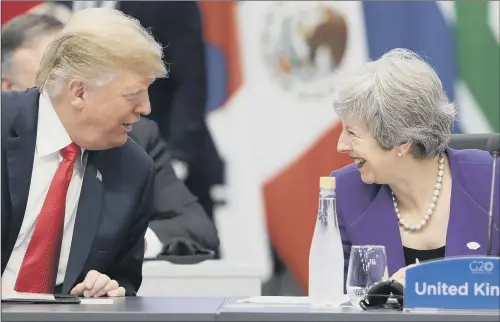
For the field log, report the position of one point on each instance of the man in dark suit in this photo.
(75, 190)
(178, 219)
(178, 222)
(178, 102)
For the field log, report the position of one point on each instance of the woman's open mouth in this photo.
(359, 163)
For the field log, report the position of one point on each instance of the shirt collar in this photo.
(51, 135)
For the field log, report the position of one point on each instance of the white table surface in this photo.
(208, 278)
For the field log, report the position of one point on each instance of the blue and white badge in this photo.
(454, 283)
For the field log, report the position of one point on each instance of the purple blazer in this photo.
(367, 216)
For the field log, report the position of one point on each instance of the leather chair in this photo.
(470, 141)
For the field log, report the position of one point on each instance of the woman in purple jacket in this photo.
(407, 190)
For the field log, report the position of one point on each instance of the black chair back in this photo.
(470, 141)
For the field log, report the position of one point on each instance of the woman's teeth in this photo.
(359, 162)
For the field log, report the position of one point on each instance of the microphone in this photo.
(493, 147)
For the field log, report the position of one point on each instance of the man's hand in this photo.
(97, 285)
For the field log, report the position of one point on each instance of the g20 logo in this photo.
(481, 266)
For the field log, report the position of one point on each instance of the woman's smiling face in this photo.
(375, 164)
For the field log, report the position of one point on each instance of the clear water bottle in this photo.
(326, 258)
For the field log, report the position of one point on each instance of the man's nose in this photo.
(144, 108)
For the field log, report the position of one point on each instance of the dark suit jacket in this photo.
(176, 212)
(113, 213)
(367, 217)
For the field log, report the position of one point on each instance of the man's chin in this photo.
(119, 141)
(105, 144)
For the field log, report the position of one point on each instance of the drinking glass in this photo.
(367, 266)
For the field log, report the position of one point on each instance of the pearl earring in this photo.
(400, 154)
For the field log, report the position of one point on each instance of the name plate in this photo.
(454, 283)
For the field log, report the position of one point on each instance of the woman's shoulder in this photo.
(472, 167)
(470, 155)
(353, 195)
(347, 170)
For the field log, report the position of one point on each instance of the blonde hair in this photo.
(95, 43)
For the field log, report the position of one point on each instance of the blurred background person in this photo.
(179, 225)
(53, 9)
(24, 41)
(179, 222)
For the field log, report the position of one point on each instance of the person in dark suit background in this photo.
(178, 221)
(76, 192)
(24, 41)
(178, 102)
(177, 216)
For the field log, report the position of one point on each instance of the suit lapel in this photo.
(468, 223)
(381, 213)
(86, 222)
(19, 150)
(468, 220)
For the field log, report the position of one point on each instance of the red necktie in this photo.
(39, 268)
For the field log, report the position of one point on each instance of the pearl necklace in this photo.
(432, 205)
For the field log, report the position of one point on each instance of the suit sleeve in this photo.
(344, 235)
(176, 212)
(185, 52)
(127, 271)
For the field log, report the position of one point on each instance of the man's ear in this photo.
(77, 90)
(7, 85)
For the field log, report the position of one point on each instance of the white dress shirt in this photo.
(51, 138)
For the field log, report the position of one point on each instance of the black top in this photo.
(411, 254)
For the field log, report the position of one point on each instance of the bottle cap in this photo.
(327, 182)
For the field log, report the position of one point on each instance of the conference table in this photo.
(130, 309)
(143, 309)
(234, 310)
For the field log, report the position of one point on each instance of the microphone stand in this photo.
(492, 198)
